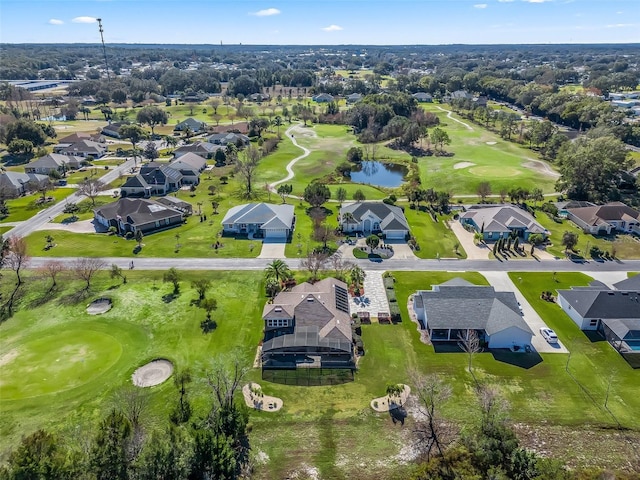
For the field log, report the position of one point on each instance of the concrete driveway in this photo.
(271, 249)
(609, 278)
(474, 252)
(502, 283)
(401, 249)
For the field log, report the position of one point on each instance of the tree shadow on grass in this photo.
(398, 414)
(170, 297)
(43, 298)
(208, 325)
(522, 360)
(75, 297)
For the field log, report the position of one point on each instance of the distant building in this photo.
(604, 219)
(322, 98)
(195, 126)
(423, 97)
(132, 214)
(501, 221)
(54, 162)
(15, 184)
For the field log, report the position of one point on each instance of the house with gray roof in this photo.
(260, 220)
(190, 166)
(322, 98)
(79, 136)
(132, 214)
(500, 221)
(54, 162)
(195, 126)
(205, 150)
(15, 184)
(82, 148)
(423, 97)
(113, 129)
(226, 138)
(631, 283)
(613, 313)
(374, 217)
(152, 181)
(445, 312)
(354, 97)
(605, 219)
(309, 326)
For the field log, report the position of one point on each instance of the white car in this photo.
(549, 335)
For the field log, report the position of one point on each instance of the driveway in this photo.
(81, 226)
(401, 249)
(502, 283)
(609, 278)
(271, 249)
(474, 252)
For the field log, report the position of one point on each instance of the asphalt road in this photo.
(45, 216)
(391, 264)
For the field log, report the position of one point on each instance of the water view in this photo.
(379, 174)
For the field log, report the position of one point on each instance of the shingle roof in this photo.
(624, 328)
(54, 160)
(136, 211)
(631, 283)
(502, 218)
(192, 123)
(591, 303)
(602, 214)
(189, 161)
(450, 305)
(321, 315)
(391, 217)
(17, 179)
(268, 215)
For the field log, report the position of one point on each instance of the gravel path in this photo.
(290, 165)
(469, 127)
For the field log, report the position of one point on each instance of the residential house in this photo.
(15, 184)
(310, 327)
(631, 283)
(604, 219)
(374, 217)
(227, 138)
(79, 136)
(54, 162)
(113, 129)
(260, 219)
(480, 101)
(322, 98)
(202, 149)
(194, 126)
(354, 98)
(451, 310)
(190, 166)
(258, 97)
(83, 148)
(152, 181)
(613, 313)
(501, 221)
(423, 97)
(132, 214)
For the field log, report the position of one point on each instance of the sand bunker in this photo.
(101, 305)
(491, 143)
(153, 373)
(460, 165)
(254, 398)
(386, 403)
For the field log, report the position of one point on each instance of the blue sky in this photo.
(327, 22)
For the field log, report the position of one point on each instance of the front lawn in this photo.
(434, 238)
(23, 208)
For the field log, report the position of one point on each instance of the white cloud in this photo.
(55, 21)
(537, 1)
(267, 12)
(621, 25)
(480, 5)
(332, 28)
(505, 1)
(84, 20)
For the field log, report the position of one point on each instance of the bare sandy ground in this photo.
(153, 373)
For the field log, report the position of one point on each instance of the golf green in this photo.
(57, 361)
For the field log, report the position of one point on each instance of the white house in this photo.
(260, 219)
(374, 217)
(604, 219)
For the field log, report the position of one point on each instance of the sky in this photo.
(321, 22)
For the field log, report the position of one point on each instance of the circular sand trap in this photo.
(153, 373)
(101, 305)
(491, 143)
(460, 165)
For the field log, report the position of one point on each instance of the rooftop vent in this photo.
(277, 309)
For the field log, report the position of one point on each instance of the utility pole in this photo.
(104, 50)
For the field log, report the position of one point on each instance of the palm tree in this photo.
(356, 275)
(277, 270)
(277, 122)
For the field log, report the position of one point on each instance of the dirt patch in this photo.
(540, 167)
(460, 165)
(254, 398)
(387, 403)
(8, 357)
(99, 306)
(153, 373)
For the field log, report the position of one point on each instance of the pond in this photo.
(379, 174)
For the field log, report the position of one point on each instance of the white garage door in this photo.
(395, 234)
(275, 233)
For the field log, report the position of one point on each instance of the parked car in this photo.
(549, 335)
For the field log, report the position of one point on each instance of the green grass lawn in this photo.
(593, 362)
(23, 208)
(302, 241)
(626, 247)
(434, 238)
(503, 164)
